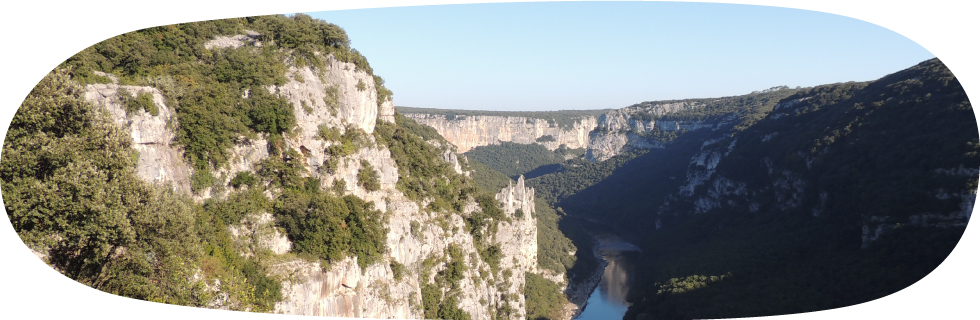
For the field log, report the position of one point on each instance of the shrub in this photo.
(368, 177)
(416, 229)
(330, 227)
(383, 93)
(339, 186)
(142, 101)
(331, 99)
(397, 270)
(492, 255)
(329, 165)
(201, 179)
(327, 133)
(244, 178)
(270, 114)
(352, 140)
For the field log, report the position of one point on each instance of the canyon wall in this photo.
(468, 132)
(603, 137)
(341, 97)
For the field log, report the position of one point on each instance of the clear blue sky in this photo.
(589, 55)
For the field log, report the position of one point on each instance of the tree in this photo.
(368, 177)
(68, 180)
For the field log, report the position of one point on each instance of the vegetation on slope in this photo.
(435, 303)
(543, 297)
(99, 224)
(422, 171)
(208, 87)
(578, 174)
(746, 109)
(515, 159)
(71, 192)
(863, 151)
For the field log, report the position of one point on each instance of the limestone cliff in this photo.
(621, 129)
(159, 161)
(518, 239)
(605, 136)
(468, 132)
(340, 96)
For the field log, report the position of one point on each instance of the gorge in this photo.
(765, 187)
(259, 164)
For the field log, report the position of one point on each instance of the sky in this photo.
(597, 55)
(40, 34)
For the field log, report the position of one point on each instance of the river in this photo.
(608, 299)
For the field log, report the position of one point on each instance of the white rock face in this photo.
(346, 291)
(341, 97)
(387, 111)
(159, 162)
(257, 232)
(234, 42)
(350, 93)
(619, 130)
(474, 131)
(611, 134)
(518, 238)
(605, 145)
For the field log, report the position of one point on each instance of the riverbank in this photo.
(603, 244)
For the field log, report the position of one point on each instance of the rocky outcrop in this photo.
(337, 95)
(517, 237)
(159, 160)
(610, 134)
(468, 132)
(257, 232)
(346, 291)
(630, 128)
(605, 145)
(235, 41)
(342, 97)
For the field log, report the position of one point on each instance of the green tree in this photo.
(68, 180)
(70, 190)
(368, 177)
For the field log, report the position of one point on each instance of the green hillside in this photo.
(779, 223)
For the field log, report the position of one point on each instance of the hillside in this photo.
(258, 164)
(781, 201)
(844, 193)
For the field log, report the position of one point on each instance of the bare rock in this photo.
(159, 161)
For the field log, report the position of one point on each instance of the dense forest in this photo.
(529, 160)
